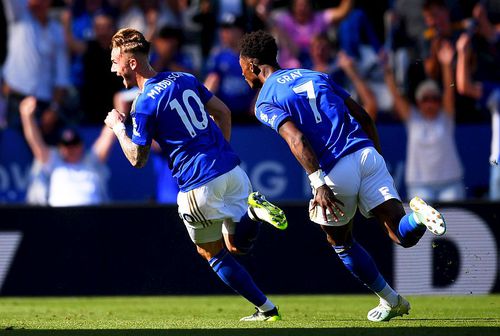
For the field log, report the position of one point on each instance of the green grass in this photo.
(218, 315)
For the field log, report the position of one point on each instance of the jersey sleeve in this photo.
(338, 90)
(270, 115)
(143, 121)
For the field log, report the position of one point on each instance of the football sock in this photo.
(267, 306)
(388, 296)
(410, 230)
(362, 266)
(246, 233)
(236, 277)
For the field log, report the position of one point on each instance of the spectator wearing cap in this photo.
(66, 175)
(224, 77)
(433, 168)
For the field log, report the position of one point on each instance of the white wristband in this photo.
(317, 179)
(118, 127)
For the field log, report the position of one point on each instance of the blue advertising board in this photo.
(265, 156)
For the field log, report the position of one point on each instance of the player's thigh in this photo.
(238, 187)
(344, 180)
(197, 210)
(338, 235)
(377, 185)
(211, 210)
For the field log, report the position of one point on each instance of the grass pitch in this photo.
(305, 315)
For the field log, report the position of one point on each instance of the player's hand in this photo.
(326, 200)
(113, 118)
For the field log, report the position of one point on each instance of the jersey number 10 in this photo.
(191, 122)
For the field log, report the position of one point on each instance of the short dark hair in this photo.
(260, 45)
(130, 41)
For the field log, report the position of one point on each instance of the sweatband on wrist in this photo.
(317, 179)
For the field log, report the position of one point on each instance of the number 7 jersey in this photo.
(171, 111)
(316, 106)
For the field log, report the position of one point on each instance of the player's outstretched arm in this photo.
(137, 155)
(365, 120)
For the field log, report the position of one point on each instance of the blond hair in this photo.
(129, 40)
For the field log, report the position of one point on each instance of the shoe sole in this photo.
(254, 200)
(429, 216)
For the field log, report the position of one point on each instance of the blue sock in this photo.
(361, 265)
(246, 233)
(236, 277)
(409, 231)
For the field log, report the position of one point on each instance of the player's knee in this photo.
(239, 250)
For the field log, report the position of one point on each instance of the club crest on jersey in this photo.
(289, 77)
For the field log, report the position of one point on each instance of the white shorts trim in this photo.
(210, 210)
(360, 179)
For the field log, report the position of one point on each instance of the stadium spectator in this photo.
(295, 27)
(95, 60)
(213, 188)
(131, 14)
(430, 127)
(167, 54)
(37, 63)
(336, 143)
(488, 95)
(364, 93)
(224, 73)
(78, 23)
(66, 175)
(404, 26)
(356, 37)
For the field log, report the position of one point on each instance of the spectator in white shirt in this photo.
(67, 175)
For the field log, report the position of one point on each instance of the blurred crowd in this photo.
(426, 63)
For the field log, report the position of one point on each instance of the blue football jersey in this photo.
(171, 110)
(316, 106)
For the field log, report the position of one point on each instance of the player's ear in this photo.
(132, 62)
(255, 69)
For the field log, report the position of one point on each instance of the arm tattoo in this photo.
(136, 154)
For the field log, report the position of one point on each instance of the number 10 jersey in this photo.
(171, 111)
